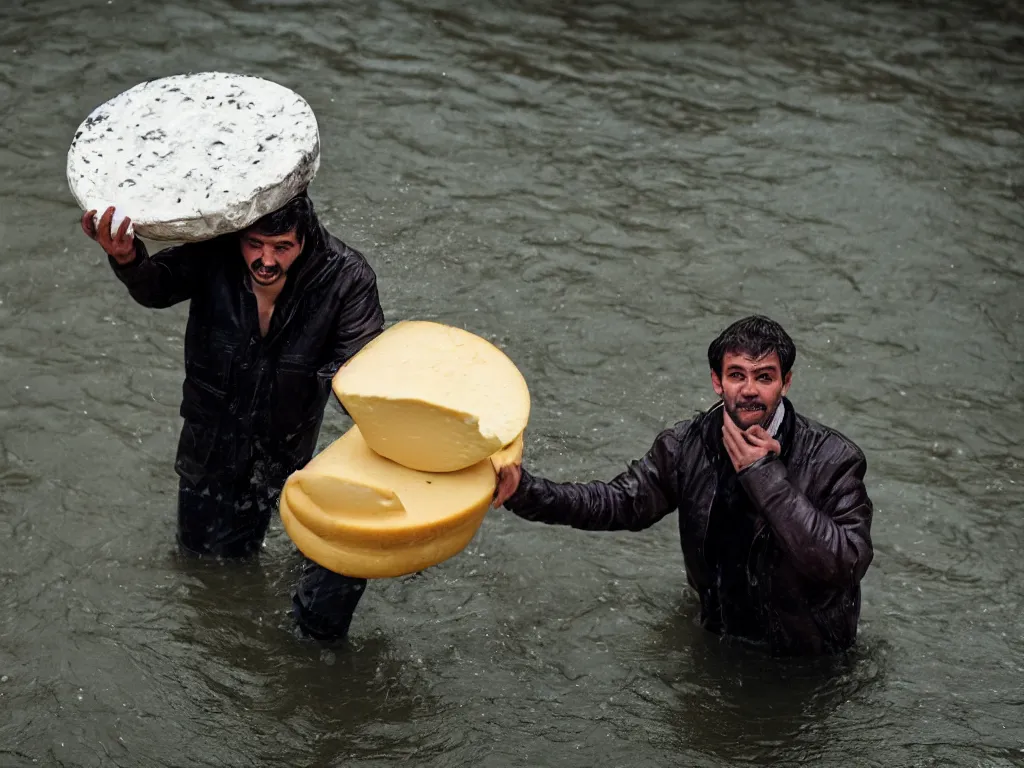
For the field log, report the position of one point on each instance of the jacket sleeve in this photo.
(165, 279)
(636, 499)
(360, 320)
(830, 545)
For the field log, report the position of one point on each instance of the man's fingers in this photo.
(501, 495)
(731, 444)
(122, 232)
(87, 225)
(764, 441)
(103, 230)
(757, 435)
(508, 481)
(744, 448)
(124, 242)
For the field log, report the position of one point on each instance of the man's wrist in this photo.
(766, 459)
(133, 261)
(519, 494)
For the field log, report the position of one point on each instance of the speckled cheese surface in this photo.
(190, 157)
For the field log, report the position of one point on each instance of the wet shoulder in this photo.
(350, 267)
(820, 440)
(685, 434)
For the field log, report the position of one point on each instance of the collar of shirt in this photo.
(776, 423)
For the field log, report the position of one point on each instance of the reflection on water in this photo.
(721, 699)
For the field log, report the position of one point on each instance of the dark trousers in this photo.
(221, 521)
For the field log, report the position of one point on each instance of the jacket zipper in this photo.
(751, 578)
(704, 541)
(292, 307)
(711, 506)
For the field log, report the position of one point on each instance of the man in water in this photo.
(774, 518)
(274, 311)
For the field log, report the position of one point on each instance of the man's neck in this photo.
(268, 294)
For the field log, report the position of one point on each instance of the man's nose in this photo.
(268, 257)
(749, 388)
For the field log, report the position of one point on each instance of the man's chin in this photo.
(747, 419)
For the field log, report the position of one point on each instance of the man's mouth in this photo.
(265, 273)
(751, 407)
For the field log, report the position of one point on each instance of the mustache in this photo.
(259, 265)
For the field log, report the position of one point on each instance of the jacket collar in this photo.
(314, 256)
(311, 262)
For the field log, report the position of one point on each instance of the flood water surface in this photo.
(599, 189)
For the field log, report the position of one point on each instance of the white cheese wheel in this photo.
(195, 156)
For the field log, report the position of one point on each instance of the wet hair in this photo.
(296, 214)
(755, 336)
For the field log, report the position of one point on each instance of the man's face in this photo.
(269, 257)
(751, 389)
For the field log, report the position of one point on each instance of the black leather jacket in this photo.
(249, 400)
(813, 540)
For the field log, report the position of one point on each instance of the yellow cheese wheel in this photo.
(434, 397)
(359, 514)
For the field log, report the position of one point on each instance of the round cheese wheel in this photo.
(194, 156)
(434, 397)
(356, 513)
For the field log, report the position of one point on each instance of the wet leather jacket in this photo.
(251, 403)
(812, 544)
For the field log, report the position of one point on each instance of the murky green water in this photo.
(599, 188)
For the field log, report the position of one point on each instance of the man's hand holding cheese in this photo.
(120, 244)
(774, 517)
(508, 482)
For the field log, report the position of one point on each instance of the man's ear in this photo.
(716, 382)
(786, 382)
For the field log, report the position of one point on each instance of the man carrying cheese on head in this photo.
(774, 518)
(274, 311)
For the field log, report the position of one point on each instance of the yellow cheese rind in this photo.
(434, 397)
(369, 562)
(357, 513)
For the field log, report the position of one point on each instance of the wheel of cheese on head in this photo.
(359, 514)
(191, 157)
(433, 397)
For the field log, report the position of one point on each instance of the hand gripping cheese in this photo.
(433, 397)
(190, 157)
(356, 513)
